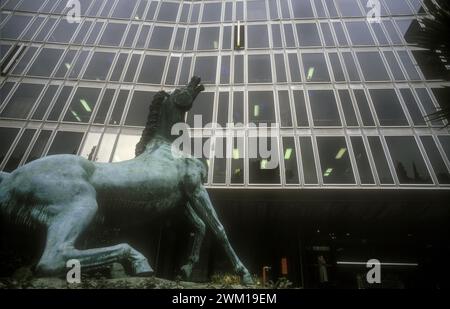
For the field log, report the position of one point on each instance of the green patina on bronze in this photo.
(64, 193)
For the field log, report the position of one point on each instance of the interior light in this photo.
(341, 153)
(236, 153)
(328, 172)
(288, 153)
(207, 162)
(237, 171)
(310, 73)
(136, 17)
(74, 113)
(216, 44)
(238, 34)
(85, 105)
(256, 110)
(263, 164)
(68, 66)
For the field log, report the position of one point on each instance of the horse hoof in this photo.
(142, 268)
(247, 279)
(186, 271)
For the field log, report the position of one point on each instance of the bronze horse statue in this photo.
(65, 192)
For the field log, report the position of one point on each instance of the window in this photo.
(94, 33)
(105, 103)
(206, 68)
(308, 35)
(118, 69)
(257, 36)
(63, 32)
(263, 161)
(238, 69)
(289, 35)
(212, 12)
(225, 70)
(384, 173)
(112, 36)
(290, 160)
(99, 66)
(19, 151)
(172, 71)
(359, 33)
(60, 103)
(347, 107)
(394, 65)
(124, 9)
(24, 60)
(445, 142)
(408, 160)
(276, 36)
(308, 164)
(388, 108)
(238, 107)
(185, 70)
(285, 108)
(226, 44)
(413, 108)
(256, 10)
(352, 71)
(132, 68)
(45, 102)
(220, 161)
(362, 161)
(161, 37)
(441, 171)
(152, 69)
(15, 26)
(222, 109)
(45, 62)
(76, 68)
(203, 107)
(364, 109)
(168, 11)
(66, 64)
(129, 39)
(237, 161)
(428, 104)
(300, 109)
(280, 68)
(138, 111)
(65, 143)
(208, 38)
(125, 147)
(39, 146)
(411, 68)
(261, 108)
(22, 101)
(335, 160)
(82, 105)
(294, 67)
(191, 39)
(372, 66)
(179, 37)
(30, 5)
(340, 34)
(259, 70)
(324, 108)
(8, 135)
(348, 8)
(121, 100)
(327, 35)
(337, 67)
(302, 9)
(398, 7)
(315, 68)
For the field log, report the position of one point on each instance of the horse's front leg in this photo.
(199, 234)
(203, 207)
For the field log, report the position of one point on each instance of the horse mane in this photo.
(152, 122)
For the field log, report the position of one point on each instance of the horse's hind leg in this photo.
(199, 233)
(202, 205)
(64, 230)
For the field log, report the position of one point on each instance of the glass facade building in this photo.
(348, 95)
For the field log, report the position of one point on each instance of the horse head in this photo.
(168, 109)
